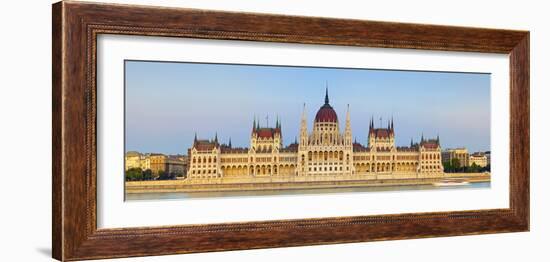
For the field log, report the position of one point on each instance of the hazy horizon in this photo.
(167, 102)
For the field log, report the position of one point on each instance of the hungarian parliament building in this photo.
(325, 152)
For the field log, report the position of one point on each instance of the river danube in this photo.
(255, 193)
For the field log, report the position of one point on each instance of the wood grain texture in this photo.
(75, 29)
(57, 192)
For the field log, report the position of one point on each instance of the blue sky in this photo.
(167, 102)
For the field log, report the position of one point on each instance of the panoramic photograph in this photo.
(202, 130)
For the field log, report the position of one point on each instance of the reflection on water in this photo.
(256, 193)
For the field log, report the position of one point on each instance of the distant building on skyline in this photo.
(157, 163)
(465, 159)
(457, 153)
(478, 158)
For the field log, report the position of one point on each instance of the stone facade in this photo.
(176, 164)
(478, 158)
(457, 153)
(324, 153)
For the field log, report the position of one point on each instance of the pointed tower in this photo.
(303, 129)
(372, 140)
(229, 142)
(347, 131)
(303, 146)
(371, 126)
(254, 125)
(277, 135)
(254, 135)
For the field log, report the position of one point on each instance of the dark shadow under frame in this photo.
(75, 28)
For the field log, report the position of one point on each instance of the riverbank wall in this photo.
(282, 183)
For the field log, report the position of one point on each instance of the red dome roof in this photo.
(326, 114)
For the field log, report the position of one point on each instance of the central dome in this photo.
(326, 113)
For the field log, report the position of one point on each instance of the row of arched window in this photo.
(430, 156)
(204, 159)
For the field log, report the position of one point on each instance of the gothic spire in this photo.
(229, 142)
(304, 113)
(347, 132)
(371, 122)
(254, 124)
(326, 94)
(303, 128)
(347, 118)
(411, 142)
(195, 137)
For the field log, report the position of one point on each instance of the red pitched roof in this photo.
(357, 147)
(204, 145)
(267, 132)
(382, 132)
(239, 150)
(290, 148)
(430, 145)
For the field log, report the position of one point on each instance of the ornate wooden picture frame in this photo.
(76, 26)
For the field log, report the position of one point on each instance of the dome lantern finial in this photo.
(326, 94)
